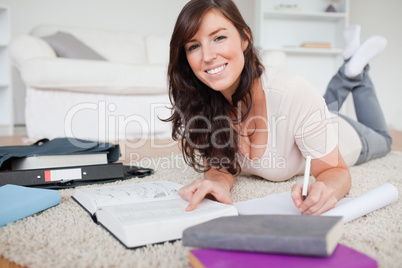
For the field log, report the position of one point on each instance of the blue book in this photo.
(17, 202)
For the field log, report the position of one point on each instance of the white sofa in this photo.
(120, 97)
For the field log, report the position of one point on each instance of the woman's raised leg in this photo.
(370, 124)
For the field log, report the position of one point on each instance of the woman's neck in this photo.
(257, 96)
(256, 99)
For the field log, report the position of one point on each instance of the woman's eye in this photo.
(192, 47)
(219, 38)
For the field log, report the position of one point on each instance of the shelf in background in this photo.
(6, 94)
(2, 85)
(272, 14)
(302, 50)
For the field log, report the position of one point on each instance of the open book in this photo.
(146, 213)
(348, 208)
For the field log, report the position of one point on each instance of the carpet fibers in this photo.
(65, 235)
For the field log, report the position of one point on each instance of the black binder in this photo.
(64, 177)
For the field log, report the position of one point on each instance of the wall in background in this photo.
(158, 16)
(384, 18)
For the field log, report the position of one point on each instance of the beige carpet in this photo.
(65, 236)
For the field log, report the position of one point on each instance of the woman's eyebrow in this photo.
(212, 33)
(216, 31)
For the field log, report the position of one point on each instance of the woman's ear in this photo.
(245, 41)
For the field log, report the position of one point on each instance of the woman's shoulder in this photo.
(286, 82)
(290, 93)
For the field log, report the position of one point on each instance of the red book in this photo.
(343, 256)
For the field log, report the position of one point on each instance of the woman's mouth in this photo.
(217, 69)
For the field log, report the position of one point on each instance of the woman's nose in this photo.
(209, 53)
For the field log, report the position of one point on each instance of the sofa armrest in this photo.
(26, 47)
(95, 76)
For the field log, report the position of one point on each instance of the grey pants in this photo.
(370, 124)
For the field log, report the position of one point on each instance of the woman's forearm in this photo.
(338, 179)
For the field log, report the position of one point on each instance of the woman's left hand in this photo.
(320, 198)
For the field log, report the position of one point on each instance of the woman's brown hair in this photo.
(201, 116)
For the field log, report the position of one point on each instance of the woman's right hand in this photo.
(217, 186)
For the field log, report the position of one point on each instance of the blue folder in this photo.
(17, 202)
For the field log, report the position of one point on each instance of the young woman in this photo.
(234, 116)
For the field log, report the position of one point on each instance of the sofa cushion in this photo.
(26, 47)
(90, 76)
(67, 46)
(117, 46)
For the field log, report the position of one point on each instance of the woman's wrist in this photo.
(225, 179)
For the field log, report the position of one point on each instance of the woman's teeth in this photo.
(216, 70)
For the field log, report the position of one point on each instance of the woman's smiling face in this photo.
(215, 53)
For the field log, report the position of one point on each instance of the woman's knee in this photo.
(388, 139)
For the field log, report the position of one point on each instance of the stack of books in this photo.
(272, 241)
(59, 164)
(316, 45)
(60, 171)
(50, 164)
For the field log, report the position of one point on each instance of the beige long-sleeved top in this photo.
(299, 124)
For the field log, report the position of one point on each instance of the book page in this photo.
(138, 224)
(174, 209)
(124, 194)
(349, 208)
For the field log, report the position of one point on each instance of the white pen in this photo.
(306, 177)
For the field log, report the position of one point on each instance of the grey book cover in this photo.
(284, 234)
